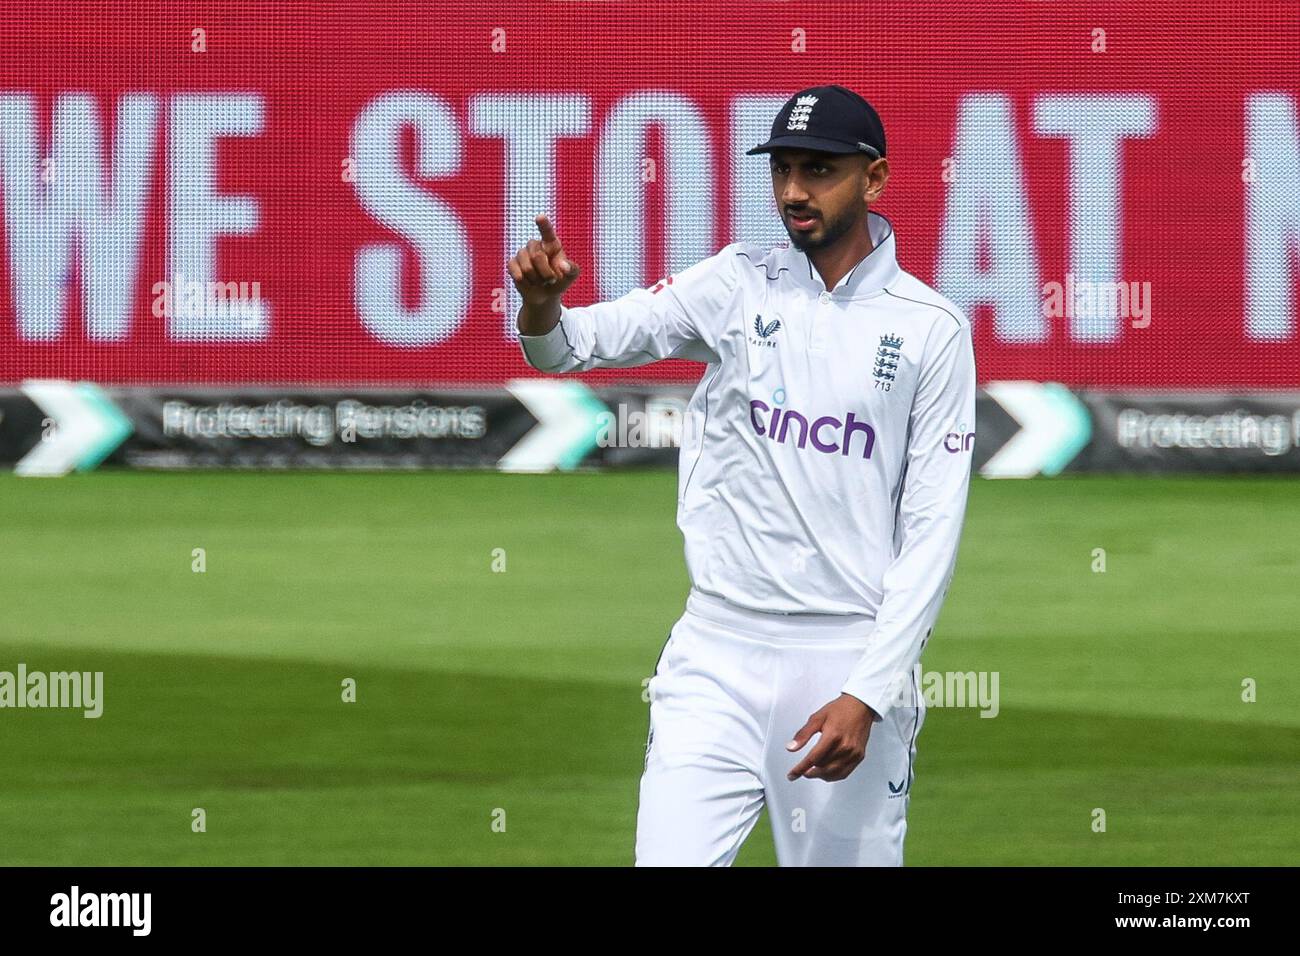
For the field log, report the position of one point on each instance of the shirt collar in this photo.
(873, 272)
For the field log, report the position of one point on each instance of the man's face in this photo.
(821, 196)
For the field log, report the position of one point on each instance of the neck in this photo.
(834, 262)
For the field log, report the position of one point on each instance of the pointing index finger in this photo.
(546, 229)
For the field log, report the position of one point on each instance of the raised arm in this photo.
(541, 272)
(676, 318)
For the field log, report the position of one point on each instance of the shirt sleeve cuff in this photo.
(877, 713)
(880, 700)
(546, 352)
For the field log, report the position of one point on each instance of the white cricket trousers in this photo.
(731, 688)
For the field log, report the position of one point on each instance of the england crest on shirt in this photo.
(888, 355)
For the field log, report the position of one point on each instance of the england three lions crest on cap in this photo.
(887, 358)
(800, 114)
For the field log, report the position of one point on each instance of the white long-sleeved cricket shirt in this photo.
(826, 453)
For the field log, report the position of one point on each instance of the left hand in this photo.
(845, 725)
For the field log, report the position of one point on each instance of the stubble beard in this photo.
(832, 231)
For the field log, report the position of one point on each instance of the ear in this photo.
(874, 180)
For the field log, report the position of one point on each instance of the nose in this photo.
(794, 194)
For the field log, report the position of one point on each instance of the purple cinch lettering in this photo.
(851, 425)
(817, 442)
(780, 421)
(785, 426)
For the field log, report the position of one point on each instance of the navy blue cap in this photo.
(830, 119)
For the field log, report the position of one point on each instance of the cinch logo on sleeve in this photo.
(958, 441)
(827, 434)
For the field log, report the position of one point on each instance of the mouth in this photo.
(803, 222)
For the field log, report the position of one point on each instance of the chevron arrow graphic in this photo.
(87, 427)
(566, 429)
(1054, 427)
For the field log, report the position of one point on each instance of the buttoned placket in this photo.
(823, 313)
(825, 305)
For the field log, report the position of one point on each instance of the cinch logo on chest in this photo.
(782, 421)
(764, 333)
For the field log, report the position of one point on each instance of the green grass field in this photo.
(521, 691)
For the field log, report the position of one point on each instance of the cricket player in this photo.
(822, 488)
